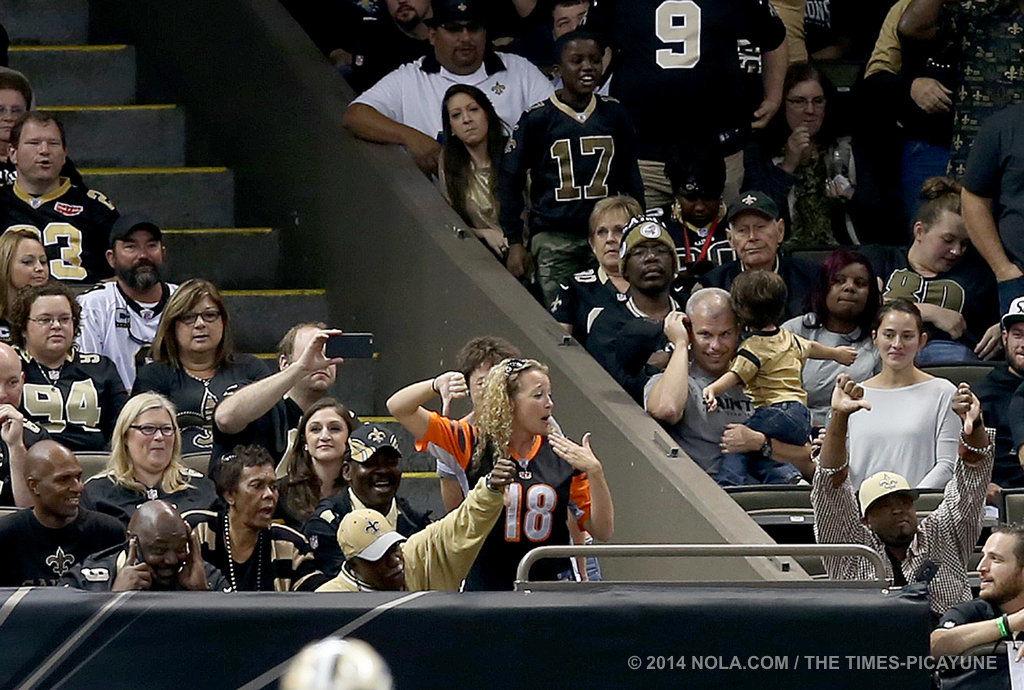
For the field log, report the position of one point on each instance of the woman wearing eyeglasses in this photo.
(804, 165)
(145, 464)
(76, 396)
(194, 362)
(558, 480)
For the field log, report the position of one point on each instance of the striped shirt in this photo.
(946, 537)
(287, 565)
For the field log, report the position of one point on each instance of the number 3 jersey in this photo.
(73, 224)
(574, 160)
(545, 494)
(77, 403)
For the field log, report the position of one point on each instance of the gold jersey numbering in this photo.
(81, 408)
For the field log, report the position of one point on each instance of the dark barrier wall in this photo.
(668, 638)
(361, 220)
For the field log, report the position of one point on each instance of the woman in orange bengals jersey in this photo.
(558, 480)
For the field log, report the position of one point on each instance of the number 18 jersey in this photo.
(544, 495)
(676, 67)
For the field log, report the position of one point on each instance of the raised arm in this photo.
(847, 398)
(251, 402)
(666, 401)
(407, 404)
(12, 432)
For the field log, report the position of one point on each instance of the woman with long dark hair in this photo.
(844, 305)
(474, 140)
(802, 163)
(315, 461)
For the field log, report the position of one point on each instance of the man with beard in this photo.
(39, 546)
(73, 222)
(623, 337)
(160, 555)
(998, 613)
(120, 318)
(1001, 399)
(936, 549)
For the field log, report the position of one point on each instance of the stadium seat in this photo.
(92, 463)
(200, 462)
(1013, 506)
(814, 256)
(927, 501)
(771, 501)
(9, 510)
(965, 373)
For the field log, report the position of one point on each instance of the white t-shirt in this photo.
(912, 431)
(117, 326)
(412, 94)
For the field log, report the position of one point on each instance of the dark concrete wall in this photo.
(361, 220)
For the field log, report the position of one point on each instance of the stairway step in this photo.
(187, 197)
(261, 317)
(224, 253)
(123, 135)
(46, 21)
(78, 74)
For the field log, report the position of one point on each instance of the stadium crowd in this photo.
(768, 264)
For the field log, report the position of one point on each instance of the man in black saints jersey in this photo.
(577, 147)
(677, 72)
(73, 222)
(40, 545)
(161, 554)
(17, 434)
(75, 396)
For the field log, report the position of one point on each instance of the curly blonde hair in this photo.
(493, 413)
(120, 467)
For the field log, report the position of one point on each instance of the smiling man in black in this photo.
(41, 545)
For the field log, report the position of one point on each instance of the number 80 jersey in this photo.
(78, 408)
(544, 496)
(73, 224)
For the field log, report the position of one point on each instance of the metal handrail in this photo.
(698, 551)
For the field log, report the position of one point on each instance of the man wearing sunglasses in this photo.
(405, 106)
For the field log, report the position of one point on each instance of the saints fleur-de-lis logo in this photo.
(60, 562)
(498, 88)
(377, 436)
(748, 199)
(372, 527)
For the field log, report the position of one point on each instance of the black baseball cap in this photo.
(754, 202)
(450, 11)
(129, 223)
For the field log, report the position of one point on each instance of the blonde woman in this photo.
(557, 480)
(22, 262)
(145, 463)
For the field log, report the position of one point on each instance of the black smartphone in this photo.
(350, 346)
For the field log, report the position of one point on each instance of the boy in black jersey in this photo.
(578, 148)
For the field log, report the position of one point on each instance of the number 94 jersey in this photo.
(677, 66)
(78, 403)
(73, 224)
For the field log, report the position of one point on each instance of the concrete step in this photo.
(123, 135)
(78, 74)
(187, 197)
(46, 21)
(236, 258)
(261, 317)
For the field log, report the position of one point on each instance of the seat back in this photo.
(773, 499)
(93, 463)
(964, 373)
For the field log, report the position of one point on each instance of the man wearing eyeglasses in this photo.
(73, 222)
(120, 318)
(405, 106)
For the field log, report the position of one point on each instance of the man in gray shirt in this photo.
(705, 341)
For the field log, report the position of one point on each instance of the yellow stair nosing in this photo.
(80, 48)
(170, 170)
(217, 231)
(378, 420)
(286, 292)
(419, 475)
(115, 108)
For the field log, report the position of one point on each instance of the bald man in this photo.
(160, 555)
(16, 432)
(41, 545)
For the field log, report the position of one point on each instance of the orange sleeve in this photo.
(579, 495)
(455, 437)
